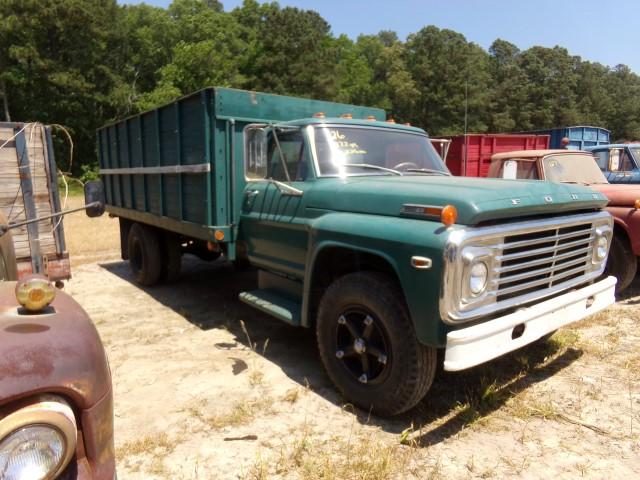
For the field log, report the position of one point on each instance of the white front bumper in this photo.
(474, 345)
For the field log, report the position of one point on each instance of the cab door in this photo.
(273, 220)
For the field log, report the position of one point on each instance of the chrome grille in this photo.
(543, 259)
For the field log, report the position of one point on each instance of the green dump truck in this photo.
(358, 230)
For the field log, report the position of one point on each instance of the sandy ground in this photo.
(207, 388)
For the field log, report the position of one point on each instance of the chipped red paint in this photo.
(59, 351)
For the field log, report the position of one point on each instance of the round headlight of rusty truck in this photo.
(478, 278)
(37, 440)
(35, 292)
(33, 452)
(601, 248)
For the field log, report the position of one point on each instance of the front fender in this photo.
(395, 240)
(628, 219)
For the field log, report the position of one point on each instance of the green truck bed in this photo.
(177, 167)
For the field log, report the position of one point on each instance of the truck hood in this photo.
(619, 195)
(476, 199)
(50, 352)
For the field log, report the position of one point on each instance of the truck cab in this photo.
(357, 230)
(620, 163)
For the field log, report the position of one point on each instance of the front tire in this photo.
(369, 347)
(145, 254)
(621, 263)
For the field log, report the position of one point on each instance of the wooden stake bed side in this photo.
(28, 189)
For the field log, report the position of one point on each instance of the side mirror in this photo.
(94, 198)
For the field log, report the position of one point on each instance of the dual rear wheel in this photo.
(154, 255)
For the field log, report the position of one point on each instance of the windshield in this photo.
(573, 168)
(346, 151)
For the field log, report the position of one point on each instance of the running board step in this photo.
(274, 304)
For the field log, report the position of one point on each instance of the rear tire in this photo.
(145, 255)
(364, 315)
(621, 263)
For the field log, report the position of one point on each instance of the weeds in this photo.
(151, 444)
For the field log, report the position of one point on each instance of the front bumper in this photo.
(474, 345)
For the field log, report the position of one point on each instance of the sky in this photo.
(596, 30)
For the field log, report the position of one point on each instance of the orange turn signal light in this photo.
(637, 204)
(35, 292)
(219, 235)
(449, 215)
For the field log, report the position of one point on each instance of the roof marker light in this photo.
(346, 115)
(319, 115)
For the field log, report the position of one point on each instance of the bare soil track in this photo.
(206, 387)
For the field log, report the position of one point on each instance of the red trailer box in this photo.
(470, 155)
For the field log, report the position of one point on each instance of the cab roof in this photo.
(352, 122)
(615, 145)
(534, 153)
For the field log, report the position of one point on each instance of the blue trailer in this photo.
(580, 137)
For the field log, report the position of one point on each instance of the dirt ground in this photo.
(208, 388)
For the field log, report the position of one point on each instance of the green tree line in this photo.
(83, 63)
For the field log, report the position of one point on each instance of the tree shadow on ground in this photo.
(206, 295)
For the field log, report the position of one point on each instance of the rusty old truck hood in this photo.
(50, 352)
(619, 195)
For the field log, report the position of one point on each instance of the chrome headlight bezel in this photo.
(601, 246)
(48, 412)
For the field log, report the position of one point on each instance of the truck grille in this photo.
(540, 260)
(528, 261)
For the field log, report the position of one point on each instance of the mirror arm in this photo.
(282, 159)
(9, 226)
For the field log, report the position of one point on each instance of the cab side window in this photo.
(602, 159)
(621, 161)
(291, 147)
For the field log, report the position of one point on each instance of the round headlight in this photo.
(38, 439)
(602, 245)
(34, 452)
(478, 277)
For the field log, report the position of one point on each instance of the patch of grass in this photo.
(632, 364)
(241, 413)
(292, 395)
(564, 338)
(158, 444)
(256, 377)
(363, 457)
(605, 317)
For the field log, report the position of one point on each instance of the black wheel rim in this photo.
(362, 346)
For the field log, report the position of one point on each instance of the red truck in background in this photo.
(575, 166)
(470, 155)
